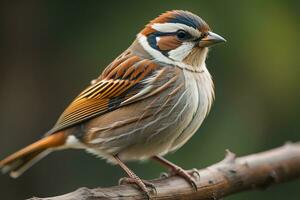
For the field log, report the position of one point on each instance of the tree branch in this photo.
(226, 177)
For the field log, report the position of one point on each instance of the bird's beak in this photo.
(211, 39)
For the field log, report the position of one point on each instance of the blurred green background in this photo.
(52, 49)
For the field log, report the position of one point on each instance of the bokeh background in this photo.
(50, 50)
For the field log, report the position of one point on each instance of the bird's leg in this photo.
(134, 179)
(176, 170)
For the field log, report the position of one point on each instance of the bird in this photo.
(146, 103)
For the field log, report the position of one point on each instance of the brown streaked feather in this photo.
(133, 67)
(119, 70)
(141, 71)
(115, 85)
(115, 63)
(163, 18)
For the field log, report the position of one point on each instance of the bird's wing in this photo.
(122, 82)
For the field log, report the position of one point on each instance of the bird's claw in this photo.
(164, 175)
(142, 184)
(188, 177)
(195, 173)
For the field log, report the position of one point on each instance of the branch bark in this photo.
(231, 175)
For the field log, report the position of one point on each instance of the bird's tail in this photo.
(17, 163)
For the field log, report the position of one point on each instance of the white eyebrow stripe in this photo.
(173, 27)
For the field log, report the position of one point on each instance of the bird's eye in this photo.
(182, 35)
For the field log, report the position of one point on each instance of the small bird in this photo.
(148, 102)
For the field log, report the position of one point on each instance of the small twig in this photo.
(226, 177)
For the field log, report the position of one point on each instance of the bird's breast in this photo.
(200, 95)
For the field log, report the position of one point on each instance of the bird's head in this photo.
(178, 36)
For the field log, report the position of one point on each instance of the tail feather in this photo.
(19, 162)
(19, 166)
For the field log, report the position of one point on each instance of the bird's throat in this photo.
(196, 58)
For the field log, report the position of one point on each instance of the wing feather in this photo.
(120, 81)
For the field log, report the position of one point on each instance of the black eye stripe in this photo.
(151, 38)
(159, 34)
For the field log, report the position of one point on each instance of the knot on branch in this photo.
(229, 157)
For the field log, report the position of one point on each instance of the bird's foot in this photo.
(142, 184)
(188, 176)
